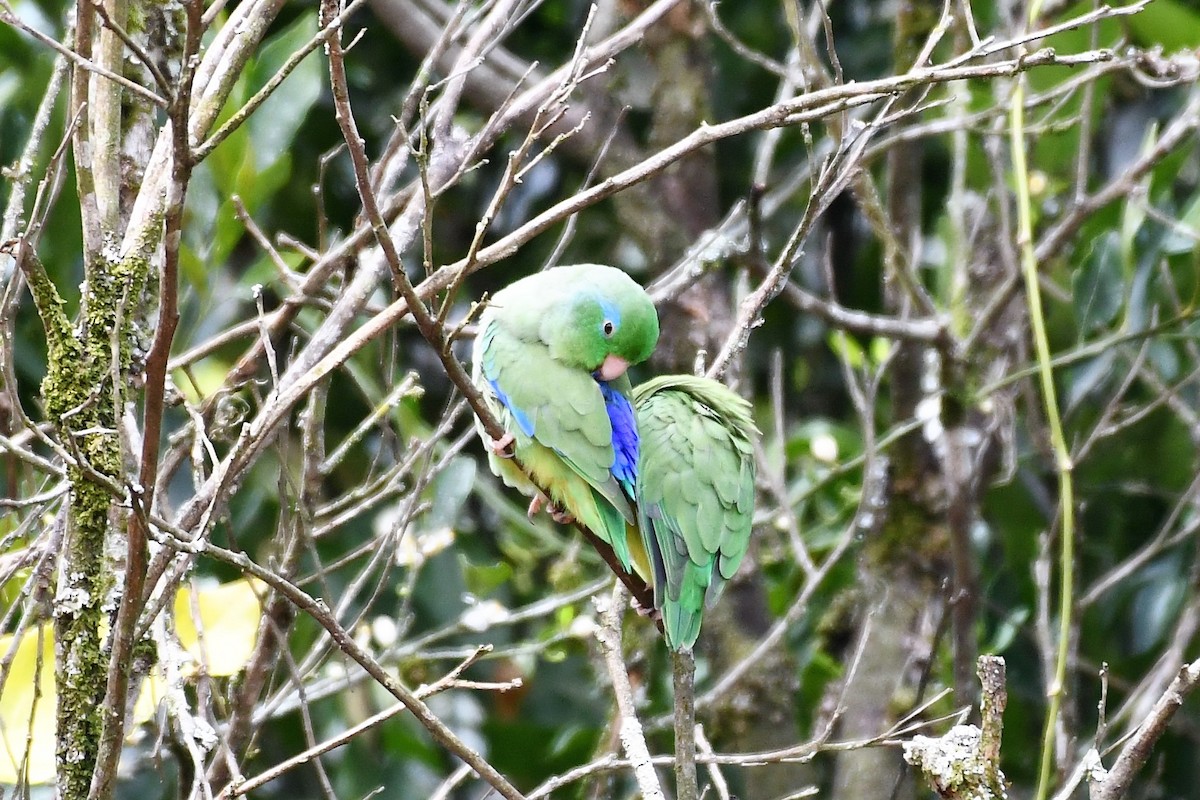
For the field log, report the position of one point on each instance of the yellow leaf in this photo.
(229, 616)
(203, 380)
(152, 691)
(17, 706)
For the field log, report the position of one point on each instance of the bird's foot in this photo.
(560, 514)
(501, 446)
(556, 512)
(535, 505)
(651, 613)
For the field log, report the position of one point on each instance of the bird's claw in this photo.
(535, 505)
(500, 446)
(556, 512)
(653, 614)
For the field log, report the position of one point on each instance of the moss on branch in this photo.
(82, 402)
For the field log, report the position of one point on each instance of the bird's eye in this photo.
(609, 327)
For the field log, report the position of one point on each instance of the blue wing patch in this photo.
(625, 436)
(517, 414)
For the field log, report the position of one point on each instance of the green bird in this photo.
(695, 494)
(550, 359)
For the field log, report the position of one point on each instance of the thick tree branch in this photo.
(143, 494)
(683, 673)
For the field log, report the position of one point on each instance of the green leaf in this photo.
(1133, 213)
(1156, 604)
(450, 490)
(881, 348)
(274, 125)
(847, 348)
(1168, 23)
(1007, 630)
(1165, 359)
(1183, 239)
(1098, 286)
(483, 579)
(1087, 377)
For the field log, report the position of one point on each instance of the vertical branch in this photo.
(71, 404)
(106, 129)
(1062, 454)
(683, 671)
(993, 699)
(911, 540)
(957, 470)
(633, 740)
(964, 764)
(142, 495)
(957, 457)
(85, 181)
(216, 74)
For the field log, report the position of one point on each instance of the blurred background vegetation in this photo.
(909, 511)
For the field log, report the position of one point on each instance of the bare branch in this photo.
(1136, 752)
(632, 738)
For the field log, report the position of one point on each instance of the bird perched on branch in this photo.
(695, 494)
(550, 361)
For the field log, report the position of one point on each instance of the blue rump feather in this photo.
(625, 436)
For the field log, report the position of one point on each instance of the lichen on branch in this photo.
(82, 403)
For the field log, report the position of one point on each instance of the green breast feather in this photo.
(562, 432)
(695, 494)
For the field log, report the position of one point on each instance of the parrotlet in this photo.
(695, 494)
(550, 359)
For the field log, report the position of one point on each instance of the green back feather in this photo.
(695, 493)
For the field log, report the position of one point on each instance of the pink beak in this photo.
(612, 368)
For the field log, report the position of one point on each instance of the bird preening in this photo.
(663, 474)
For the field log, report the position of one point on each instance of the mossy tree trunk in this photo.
(93, 371)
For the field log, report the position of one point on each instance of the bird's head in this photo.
(603, 323)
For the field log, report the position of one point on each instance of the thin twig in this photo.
(138, 51)
(319, 611)
(450, 679)
(78, 56)
(719, 784)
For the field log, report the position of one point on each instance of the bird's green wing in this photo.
(562, 409)
(695, 494)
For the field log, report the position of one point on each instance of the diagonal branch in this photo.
(1116, 783)
(319, 611)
